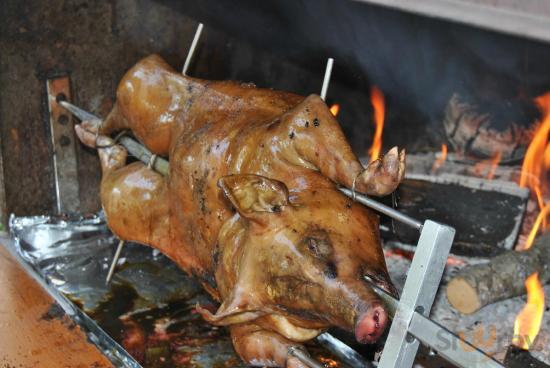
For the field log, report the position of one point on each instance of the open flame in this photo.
(535, 229)
(487, 168)
(441, 159)
(537, 162)
(495, 160)
(335, 109)
(535, 166)
(534, 173)
(377, 101)
(527, 324)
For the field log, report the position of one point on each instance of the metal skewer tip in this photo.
(326, 80)
(77, 111)
(114, 262)
(192, 49)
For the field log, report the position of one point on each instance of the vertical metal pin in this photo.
(192, 49)
(114, 262)
(326, 80)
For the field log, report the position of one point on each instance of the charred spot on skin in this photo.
(330, 271)
(348, 205)
(262, 145)
(276, 209)
(291, 135)
(199, 189)
(316, 122)
(216, 255)
(307, 124)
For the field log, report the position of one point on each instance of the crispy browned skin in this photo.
(250, 205)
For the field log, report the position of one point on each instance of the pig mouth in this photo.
(371, 324)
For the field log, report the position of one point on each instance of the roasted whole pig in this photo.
(250, 206)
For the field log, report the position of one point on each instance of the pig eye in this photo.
(319, 247)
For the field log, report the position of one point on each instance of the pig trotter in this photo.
(259, 347)
(382, 176)
(111, 155)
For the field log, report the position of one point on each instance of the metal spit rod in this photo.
(382, 208)
(361, 198)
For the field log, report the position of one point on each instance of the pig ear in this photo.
(236, 309)
(251, 194)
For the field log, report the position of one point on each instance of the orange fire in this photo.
(540, 218)
(487, 168)
(527, 324)
(377, 101)
(327, 362)
(537, 162)
(535, 166)
(495, 160)
(335, 109)
(534, 173)
(441, 159)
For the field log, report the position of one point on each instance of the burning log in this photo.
(483, 129)
(502, 278)
(519, 358)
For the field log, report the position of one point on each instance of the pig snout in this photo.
(371, 324)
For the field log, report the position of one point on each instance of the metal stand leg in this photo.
(418, 294)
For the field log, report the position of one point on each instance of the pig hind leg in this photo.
(259, 347)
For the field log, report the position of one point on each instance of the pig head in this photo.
(293, 264)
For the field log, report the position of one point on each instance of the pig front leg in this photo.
(317, 141)
(259, 347)
(134, 197)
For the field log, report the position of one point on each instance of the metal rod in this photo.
(343, 352)
(114, 262)
(382, 208)
(326, 80)
(449, 346)
(304, 357)
(192, 49)
(393, 213)
(78, 112)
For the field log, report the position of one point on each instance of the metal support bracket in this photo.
(418, 294)
(63, 143)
